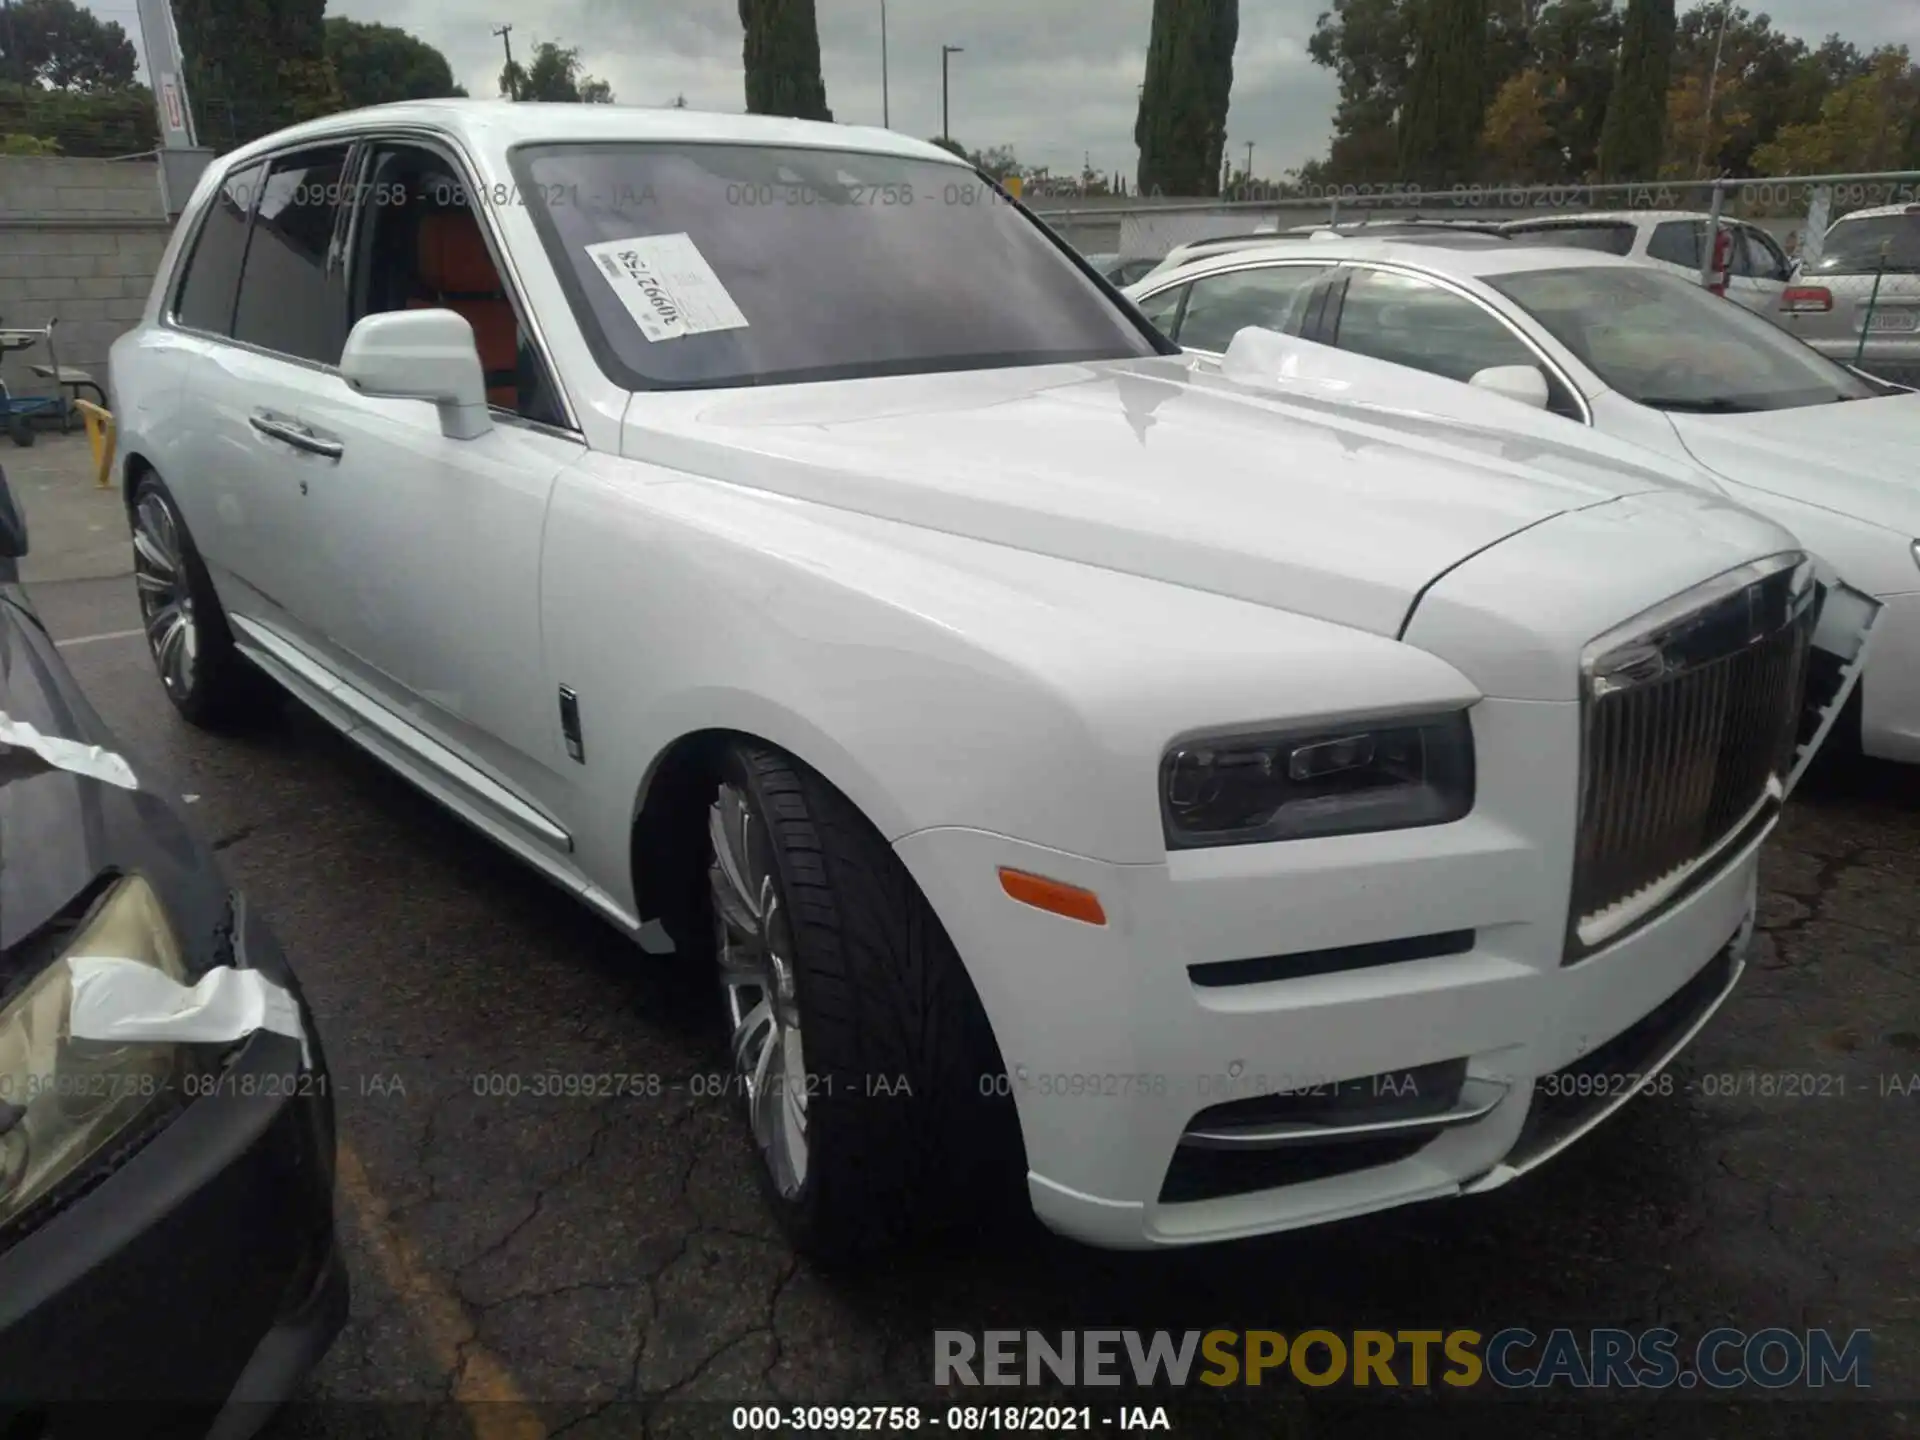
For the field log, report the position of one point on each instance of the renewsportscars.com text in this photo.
(1514, 1358)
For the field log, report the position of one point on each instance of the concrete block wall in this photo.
(80, 241)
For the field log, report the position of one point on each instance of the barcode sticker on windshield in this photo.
(667, 286)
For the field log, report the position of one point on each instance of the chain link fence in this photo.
(1795, 209)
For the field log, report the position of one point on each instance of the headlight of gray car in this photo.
(1299, 784)
(62, 1100)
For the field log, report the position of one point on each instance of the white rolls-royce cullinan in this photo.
(1229, 811)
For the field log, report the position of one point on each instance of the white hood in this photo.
(1339, 511)
(1860, 458)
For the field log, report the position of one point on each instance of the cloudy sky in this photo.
(1055, 79)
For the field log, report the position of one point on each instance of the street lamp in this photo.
(946, 131)
(886, 109)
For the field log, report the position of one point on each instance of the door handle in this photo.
(292, 433)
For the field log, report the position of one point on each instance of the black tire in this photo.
(907, 1130)
(20, 430)
(216, 689)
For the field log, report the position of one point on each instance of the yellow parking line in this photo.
(495, 1406)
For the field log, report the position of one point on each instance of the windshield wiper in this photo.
(1697, 407)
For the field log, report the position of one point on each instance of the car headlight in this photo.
(1296, 784)
(61, 1099)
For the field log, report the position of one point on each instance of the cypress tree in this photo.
(783, 59)
(1446, 92)
(1632, 138)
(1182, 125)
(254, 66)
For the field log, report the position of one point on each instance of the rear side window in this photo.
(1607, 239)
(1677, 242)
(293, 297)
(1164, 310)
(1755, 255)
(1221, 306)
(212, 279)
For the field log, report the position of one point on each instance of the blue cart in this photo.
(21, 414)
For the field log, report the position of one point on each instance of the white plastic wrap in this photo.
(68, 755)
(123, 1000)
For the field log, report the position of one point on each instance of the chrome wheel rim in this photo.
(755, 948)
(166, 604)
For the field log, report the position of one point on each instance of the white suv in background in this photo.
(1758, 268)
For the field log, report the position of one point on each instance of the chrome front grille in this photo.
(1690, 714)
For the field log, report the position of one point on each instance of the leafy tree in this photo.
(999, 162)
(951, 145)
(1631, 137)
(1696, 139)
(1574, 43)
(1518, 142)
(1446, 92)
(554, 75)
(99, 123)
(1869, 123)
(1368, 44)
(254, 66)
(782, 55)
(378, 64)
(1181, 128)
(58, 44)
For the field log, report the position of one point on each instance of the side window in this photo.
(1411, 321)
(212, 277)
(1677, 242)
(1223, 305)
(417, 244)
(1760, 256)
(1164, 310)
(292, 300)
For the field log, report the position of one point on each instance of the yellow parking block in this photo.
(102, 436)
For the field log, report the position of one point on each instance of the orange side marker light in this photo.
(1053, 895)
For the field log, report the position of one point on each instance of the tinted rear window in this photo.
(754, 265)
(1677, 242)
(212, 279)
(1607, 239)
(1852, 247)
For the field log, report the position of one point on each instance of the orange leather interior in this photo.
(456, 273)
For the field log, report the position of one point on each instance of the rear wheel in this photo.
(204, 676)
(866, 1066)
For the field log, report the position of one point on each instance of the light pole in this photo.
(1713, 76)
(505, 32)
(886, 108)
(946, 130)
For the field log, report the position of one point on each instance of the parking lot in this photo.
(607, 1263)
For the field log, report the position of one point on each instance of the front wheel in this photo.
(857, 1042)
(205, 677)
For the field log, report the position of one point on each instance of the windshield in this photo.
(1666, 342)
(1852, 247)
(695, 265)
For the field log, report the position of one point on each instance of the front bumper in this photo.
(1112, 1048)
(199, 1281)
(1890, 689)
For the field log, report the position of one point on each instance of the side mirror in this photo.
(421, 355)
(13, 525)
(1524, 383)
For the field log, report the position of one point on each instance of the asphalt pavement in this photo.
(602, 1266)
